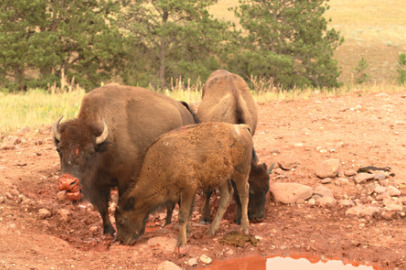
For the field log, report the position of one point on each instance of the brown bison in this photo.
(104, 146)
(181, 161)
(227, 98)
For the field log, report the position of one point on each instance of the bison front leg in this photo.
(100, 198)
(226, 191)
(186, 203)
(242, 189)
(206, 207)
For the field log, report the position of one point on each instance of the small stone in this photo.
(369, 188)
(327, 180)
(388, 215)
(323, 192)
(44, 213)
(380, 176)
(8, 196)
(164, 243)
(168, 265)
(362, 178)
(394, 191)
(61, 196)
(287, 165)
(327, 201)
(346, 203)
(383, 182)
(288, 193)
(311, 201)
(349, 173)
(403, 199)
(328, 168)
(2, 199)
(382, 196)
(94, 230)
(397, 207)
(341, 181)
(205, 259)
(361, 210)
(192, 262)
(380, 189)
(14, 192)
(65, 214)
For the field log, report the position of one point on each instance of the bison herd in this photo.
(158, 152)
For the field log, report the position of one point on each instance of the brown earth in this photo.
(358, 129)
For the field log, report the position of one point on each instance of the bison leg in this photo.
(169, 211)
(226, 191)
(100, 199)
(237, 213)
(206, 207)
(242, 188)
(186, 203)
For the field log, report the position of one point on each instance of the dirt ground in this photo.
(38, 230)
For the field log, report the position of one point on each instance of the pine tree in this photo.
(172, 39)
(289, 41)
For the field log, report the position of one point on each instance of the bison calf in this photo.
(204, 156)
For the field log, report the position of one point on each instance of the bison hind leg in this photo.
(242, 191)
(205, 220)
(226, 191)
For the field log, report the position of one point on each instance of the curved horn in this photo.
(100, 139)
(57, 134)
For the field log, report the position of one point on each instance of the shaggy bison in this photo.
(104, 146)
(227, 98)
(181, 161)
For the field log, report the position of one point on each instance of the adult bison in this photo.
(227, 98)
(104, 146)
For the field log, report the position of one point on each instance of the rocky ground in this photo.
(325, 202)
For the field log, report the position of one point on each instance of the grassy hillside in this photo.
(374, 29)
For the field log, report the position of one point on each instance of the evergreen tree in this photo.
(287, 40)
(51, 37)
(172, 39)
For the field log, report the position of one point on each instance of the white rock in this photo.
(397, 207)
(290, 192)
(361, 210)
(168, 265)
(326, 180)
(192, 262)
(328, 168)
(65, 214)
(393, 191)
(327, 201)
(205, 259)
(346, 203)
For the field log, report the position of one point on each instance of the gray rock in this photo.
(205, 259)
(168, 265)
(288, 193)
(362, 178)
(394, 191)
(328, 168)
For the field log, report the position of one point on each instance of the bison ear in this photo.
(129, 205)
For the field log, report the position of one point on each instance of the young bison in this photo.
(181, 161)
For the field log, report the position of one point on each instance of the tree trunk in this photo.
(162, 54)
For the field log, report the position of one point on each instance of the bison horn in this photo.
(55, 129)
(100, 139)
(268, 172)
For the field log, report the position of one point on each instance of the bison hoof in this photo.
(182, 251)
(204, 221)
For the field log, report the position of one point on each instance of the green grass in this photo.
(38, 108)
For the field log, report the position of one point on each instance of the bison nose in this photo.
(68, 182)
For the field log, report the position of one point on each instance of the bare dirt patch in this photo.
(359, 130)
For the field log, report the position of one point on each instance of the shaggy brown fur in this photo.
(204, 156)
(227, 98)
(134, 118)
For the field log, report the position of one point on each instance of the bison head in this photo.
(259, 187)
(130, 220)
(79, 145)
